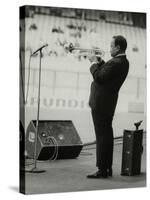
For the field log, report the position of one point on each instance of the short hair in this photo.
(121, 41)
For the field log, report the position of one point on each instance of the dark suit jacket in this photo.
(108, 78)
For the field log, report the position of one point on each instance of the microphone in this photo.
(39, 49)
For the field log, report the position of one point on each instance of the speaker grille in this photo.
(52, 135)
(63, 131)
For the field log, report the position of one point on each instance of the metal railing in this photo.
(53, 80)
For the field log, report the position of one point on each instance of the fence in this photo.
(79, 82)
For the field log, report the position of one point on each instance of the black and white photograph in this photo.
(82, 97)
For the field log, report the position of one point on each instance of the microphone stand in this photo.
(35, 169)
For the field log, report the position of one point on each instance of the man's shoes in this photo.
(98, 174)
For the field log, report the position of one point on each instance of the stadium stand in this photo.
(66, 76)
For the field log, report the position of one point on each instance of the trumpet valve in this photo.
(69, 48)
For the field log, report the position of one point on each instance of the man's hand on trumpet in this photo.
(93, 58)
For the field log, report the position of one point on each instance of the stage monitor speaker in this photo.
(53, 135)
(132, 152)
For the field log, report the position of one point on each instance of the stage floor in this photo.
(70, 175)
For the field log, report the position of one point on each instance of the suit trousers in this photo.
(104, 139)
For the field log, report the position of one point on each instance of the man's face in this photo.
(114, 50)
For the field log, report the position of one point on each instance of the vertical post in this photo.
(77, 85)
(37, 121)
(54, 83)
(138, 88)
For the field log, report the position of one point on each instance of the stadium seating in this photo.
(66, 72)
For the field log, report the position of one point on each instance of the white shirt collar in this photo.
(120, 54)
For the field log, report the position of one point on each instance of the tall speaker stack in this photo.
(57, 139)
(132, 151)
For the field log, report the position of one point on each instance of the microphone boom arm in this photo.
(39, 49)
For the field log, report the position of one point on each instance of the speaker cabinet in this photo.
(132, 152)
(53, 137)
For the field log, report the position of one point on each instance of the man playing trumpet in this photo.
(108, 77)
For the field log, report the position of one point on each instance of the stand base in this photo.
(36, 170)
(33, 170)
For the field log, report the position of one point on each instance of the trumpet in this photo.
(97, 51)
